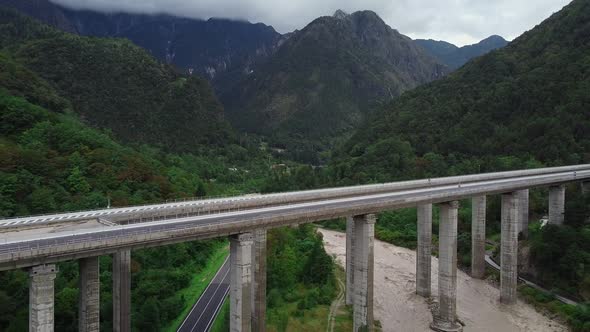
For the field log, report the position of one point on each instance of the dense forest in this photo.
(114, 84)
(522, 106)
(52, 159)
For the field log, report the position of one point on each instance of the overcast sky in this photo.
(458, 21)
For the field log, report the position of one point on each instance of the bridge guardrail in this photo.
(287, 197)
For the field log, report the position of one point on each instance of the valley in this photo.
(104, 109)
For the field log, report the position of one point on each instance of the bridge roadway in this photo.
(42, 248)
(134, 214)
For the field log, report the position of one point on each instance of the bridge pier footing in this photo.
(364, 237)
(41, 298)
(122, 291)
(556, 204)
(509, 247)
(259, 281)
(89, 295)
(349, 260)
(424, 250)
(240, 258)
(478, 237)
(446, 319)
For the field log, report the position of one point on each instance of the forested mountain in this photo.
(218, 49)
(527, 102)
(113, 84)
(325, 78)
(454, 56)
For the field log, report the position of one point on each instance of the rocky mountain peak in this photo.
(340, 14)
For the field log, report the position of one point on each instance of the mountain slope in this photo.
(515, 107)
(221, 50)
(454, 56)
(326, 77)
(114, 84)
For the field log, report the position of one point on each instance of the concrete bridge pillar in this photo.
(240, 259)
(523, 210)
(424, 250)
(349, 260)
(446, 319)
(259, 281)
(122, 291)
(509, 248)
(41, 298)
(89, 295)
(556, 204)
(478, 237)
(364, 236)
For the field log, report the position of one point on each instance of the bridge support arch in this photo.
(446, 318)
(509, 247)
(41, 298)
(259, 281)
(556, 204)
(478, 236)
(89, 295)
(363, 258)
(240, 292)
(424, 250)
(523, 210)
(349, 260)
(122, 291)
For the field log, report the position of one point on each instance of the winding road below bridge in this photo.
(203, 313)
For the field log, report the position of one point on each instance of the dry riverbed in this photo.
(400, 309)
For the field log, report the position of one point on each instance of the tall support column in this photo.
(89, 295)
(424, 250)
(556, 204)
(259, 281)
(240, 259)
(478, 237)
(364, 237)
(122, 291)
(349, 260)
(446, 320)
(523, 211)
(41, 298)
(509, 248)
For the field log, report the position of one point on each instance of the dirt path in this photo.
(335, 306)
(400, 309)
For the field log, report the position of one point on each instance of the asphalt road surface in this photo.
(203, 313)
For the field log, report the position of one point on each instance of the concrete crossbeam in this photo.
(259, 281)
(122, 291)
(41, 298)
(364, 237)
(240, 258)
(509, 248)
(556, 204)
(89, 295)
(478, 236)
(349, 260)
(446, 319)
(424, 250)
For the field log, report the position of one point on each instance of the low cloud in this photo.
(457, 21)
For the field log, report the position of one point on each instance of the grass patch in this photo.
(198, 284)
(221, 323)
(576, 316)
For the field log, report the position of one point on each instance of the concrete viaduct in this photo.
(44, 240)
